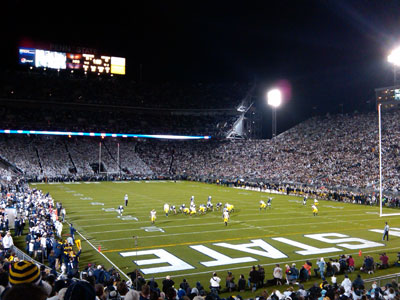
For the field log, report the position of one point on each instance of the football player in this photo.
(192, 201)
(269, 202)
(219, 205)
(192, 210)
(120, 210)
(153, 216)
(209, 204)
(225, 216)
(316, 202)
(166, 209)
(202, 209)
(173, 209)
(314, 210)
(230, 208)
(182, 208)
(263, 205)
(305, 200)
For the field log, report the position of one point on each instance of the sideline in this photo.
(114, 265)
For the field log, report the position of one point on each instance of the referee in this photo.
(385, 232)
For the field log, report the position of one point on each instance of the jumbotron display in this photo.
(93, 63)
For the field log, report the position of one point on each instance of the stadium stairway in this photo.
(70, 157)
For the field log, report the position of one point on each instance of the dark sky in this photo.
(327, 52)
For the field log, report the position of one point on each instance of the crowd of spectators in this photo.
(338, 152)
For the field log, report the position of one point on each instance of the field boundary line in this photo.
(114, 265)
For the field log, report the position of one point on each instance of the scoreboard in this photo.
(92, 63)
(389, 96)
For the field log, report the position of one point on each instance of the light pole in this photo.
(394, 59)
(274, 99)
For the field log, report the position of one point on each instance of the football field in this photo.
(192, 247)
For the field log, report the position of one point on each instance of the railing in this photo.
(382, 280)
(23, 256)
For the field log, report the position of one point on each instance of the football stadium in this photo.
(207, 172)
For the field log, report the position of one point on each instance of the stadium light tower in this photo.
(394, 59)
(274, 99)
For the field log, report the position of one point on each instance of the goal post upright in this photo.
(380, 159)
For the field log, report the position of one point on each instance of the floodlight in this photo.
(394, 57)
(274, 97)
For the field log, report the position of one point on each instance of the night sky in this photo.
(331, 54)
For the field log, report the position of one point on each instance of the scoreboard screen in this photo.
(27, 56)
(91, 63)
(94, 63)
(50, 59)
(397, 94)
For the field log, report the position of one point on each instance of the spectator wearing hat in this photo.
(27, 272)
(323, 293)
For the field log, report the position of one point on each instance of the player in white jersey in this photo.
(269, 202)
(126, 199)
(166, 209)
(153, 216)
(120, 210)
(225, 216)
(192, 201)
(173, 209)
(305, 200)
(314, 210)
(209, 204)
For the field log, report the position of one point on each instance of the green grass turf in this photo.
(287, 218)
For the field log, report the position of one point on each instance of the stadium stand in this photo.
(294, 162)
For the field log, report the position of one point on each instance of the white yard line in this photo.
(307, 216)
(114, 265)
(245, 227)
